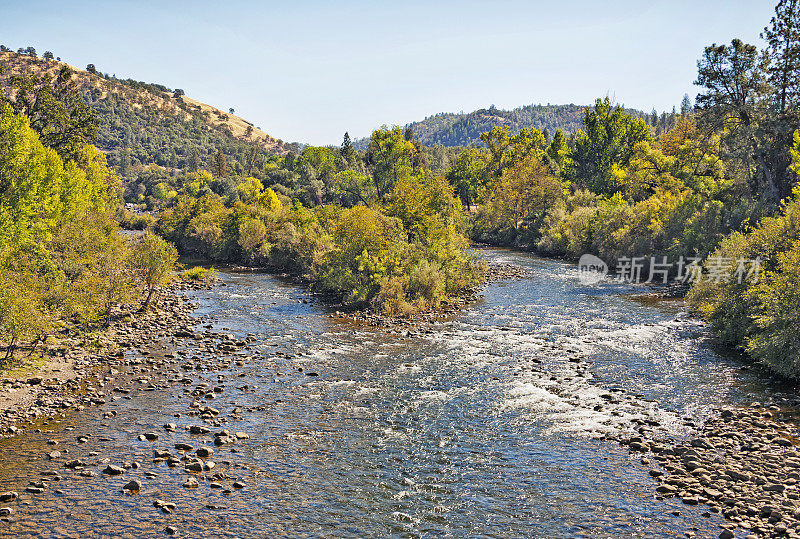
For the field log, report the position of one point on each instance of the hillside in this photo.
(143, 123)
(462, 129)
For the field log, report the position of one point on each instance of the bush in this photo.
(199, 273)
(759, 318)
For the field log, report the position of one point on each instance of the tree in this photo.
(194, 160)
(686, 104)
(608, 138)
(390, 157)
(522, 195)
(38, 191)
(178, 93)
(783, 48)
(733, 81)
(152, 260)
(48, 55)
(231, 110)
(346, 151)
(91, 69)
(558, 150)
(220, 165)
(506, 149)
(56, 111)
(19, 316)
(30, 51)
(469, 175)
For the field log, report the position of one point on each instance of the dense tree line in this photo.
(374, 228)
(715, 182)
(63, 263)
(465, 129)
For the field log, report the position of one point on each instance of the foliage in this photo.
(518, 203)
(465, 129)
(607, 139)
(152, 259)
(198, 273)
(55, 111)
(761, 317)
(62, 260)
(397, 250)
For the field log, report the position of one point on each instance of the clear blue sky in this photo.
(308, 71)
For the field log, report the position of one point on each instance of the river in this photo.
(488, 424)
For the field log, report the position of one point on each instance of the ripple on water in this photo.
(486, 426)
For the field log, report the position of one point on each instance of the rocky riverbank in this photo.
(67, 376)
(744, 464)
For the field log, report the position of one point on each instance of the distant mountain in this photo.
(463, 129)
(143, 123)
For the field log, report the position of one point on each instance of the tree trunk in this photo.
(146, 303)
(768, 175)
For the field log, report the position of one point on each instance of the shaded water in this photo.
(486, 424)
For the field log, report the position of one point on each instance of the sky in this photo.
(307, 71)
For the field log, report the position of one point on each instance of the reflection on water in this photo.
(486, 424)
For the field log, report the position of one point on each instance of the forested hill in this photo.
(143, 123)
(463, 129)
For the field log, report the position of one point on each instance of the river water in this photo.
(487, 424)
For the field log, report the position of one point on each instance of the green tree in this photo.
(732, 77)
(608, 138)
(220, 169)
(56, 111)
(686, 104)
(783, 47)
(347, 151)
(390, 158)
(153, 259)
(469, 174)
(558, 150)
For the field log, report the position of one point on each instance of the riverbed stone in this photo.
(113, 469)
(133, 486)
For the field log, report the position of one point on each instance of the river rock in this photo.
(112, 469)
(194, 467)
(133, 486)
(204, 452)
(9, 496)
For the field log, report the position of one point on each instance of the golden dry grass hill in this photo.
(142, 124)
